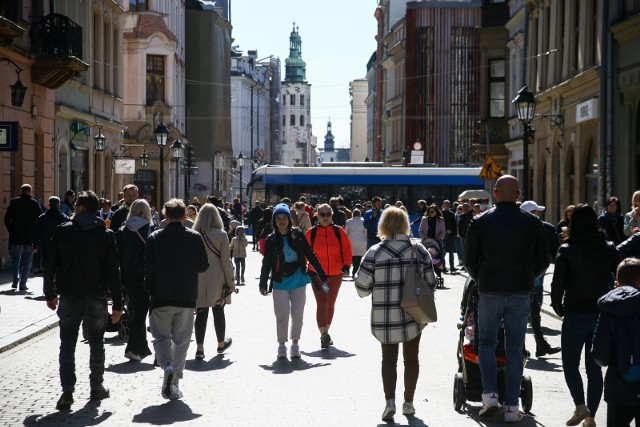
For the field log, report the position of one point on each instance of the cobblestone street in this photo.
(248, 386)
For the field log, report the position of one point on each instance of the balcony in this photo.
(9, 28)
(57, 42)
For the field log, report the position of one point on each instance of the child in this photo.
(238, 248)
(616, 344)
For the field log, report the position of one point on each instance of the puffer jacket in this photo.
(505, 249)
(616, 344)
(82, 261)
(334, 255)
(273, 261)
(585, 270)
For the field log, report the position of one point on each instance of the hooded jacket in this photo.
(616, 344)
(82, 261)
(132, 241)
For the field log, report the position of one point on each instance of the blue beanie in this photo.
(281, 208)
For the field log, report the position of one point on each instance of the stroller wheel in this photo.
(526, 393)
(459, 397)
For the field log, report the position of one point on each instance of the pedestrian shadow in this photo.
(174, 411)
(40, 298)
(214, 364)
(114, 340)
(549, 332)
(410, 420)
(544, 365)
(129, 367)
(87, 416)
(286, 366)
(330, 353)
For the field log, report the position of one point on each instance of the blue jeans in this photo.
(513, 310)
(577, 334)
(93, 312)
(20, 269)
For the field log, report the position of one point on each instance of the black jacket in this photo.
(46, 225)
(505, 249)
(20, 219)
(173, 258)
(616, 342)
(82, 261)
(585, 270)
(273, 261)
(254, 216)
(118, 218)
(630, 247)
(553, 239)
(131, 248)
(463, 223)
(450, 223)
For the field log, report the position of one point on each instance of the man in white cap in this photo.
(542, 346)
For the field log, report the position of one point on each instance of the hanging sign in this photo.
(9, 136)
(125, 166)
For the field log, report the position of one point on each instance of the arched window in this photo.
(293, 120)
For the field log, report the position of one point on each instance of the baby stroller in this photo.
(467, 383)
(434, 249)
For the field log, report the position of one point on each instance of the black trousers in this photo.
(137, 309)
(219, 323)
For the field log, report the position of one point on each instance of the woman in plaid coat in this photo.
(381, 274)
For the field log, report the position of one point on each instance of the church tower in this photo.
(296, 108)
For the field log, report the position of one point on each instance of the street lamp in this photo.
(100, 139)
(144, 158)
(177, 151)
(18, 90)
(161, 134)
(240, 163)
(525, 104)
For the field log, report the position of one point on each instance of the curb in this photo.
(28, 337)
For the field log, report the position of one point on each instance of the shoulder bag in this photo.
(417, 295)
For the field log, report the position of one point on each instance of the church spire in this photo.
(329, 145)
(295, 67)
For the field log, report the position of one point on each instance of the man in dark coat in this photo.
(120, 216)
(255, 215)
(46, 225)
(450, 235)
(20, 220)
(82, 267)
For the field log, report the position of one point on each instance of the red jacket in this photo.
(334, 255)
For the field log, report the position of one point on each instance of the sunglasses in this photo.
(325, 214)
(431, 212)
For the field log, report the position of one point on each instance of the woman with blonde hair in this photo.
(132, 241)
(632, 218)
(213, 281)
(381, 275)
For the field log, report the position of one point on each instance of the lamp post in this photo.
(240, 163)
(177, 151)
(161, 134)
(525, 104)
(188, 172)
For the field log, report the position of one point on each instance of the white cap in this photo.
(531, 206)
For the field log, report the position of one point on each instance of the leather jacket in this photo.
(585, 271)
(506, 249)
(82, 261)
(273, 261)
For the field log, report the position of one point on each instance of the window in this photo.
(155, 78)
(301, 120)
(496, 88)
(138, 5)
(293, 120)
(284, 120)
(284, 100)
(292, 99)
(301, 99)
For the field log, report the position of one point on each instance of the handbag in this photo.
(417, 294)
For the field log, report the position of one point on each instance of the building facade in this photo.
(358, 93)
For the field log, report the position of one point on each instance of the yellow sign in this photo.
(490, 169)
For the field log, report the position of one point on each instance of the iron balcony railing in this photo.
(56, 35)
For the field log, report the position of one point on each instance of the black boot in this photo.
(543, 348)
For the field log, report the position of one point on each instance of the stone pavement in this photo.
(248, 386)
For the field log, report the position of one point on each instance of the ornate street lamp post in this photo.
(161, 134)
(525, 104)
(240, 163)
(177, 151)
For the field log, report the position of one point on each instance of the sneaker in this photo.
(199, 355)
(132, 356)
(408, 409)
(589, 422)
(389, 410)
(65, 401)
(491, 406)
(282, 351)
(512, 414)
(295, 351)
(14, 285)
(225, 346)
(167, 382)
(579, 414)
(325, 340)
(99, 393)
(176, 394)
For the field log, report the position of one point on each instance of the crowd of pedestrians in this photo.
(92, 251)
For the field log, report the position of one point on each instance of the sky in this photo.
(338, 38)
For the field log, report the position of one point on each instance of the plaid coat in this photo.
(381, 274)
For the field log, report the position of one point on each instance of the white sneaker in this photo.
(491, 406)
(295, 351)
(512, 414)
(408, 408)
(167, 382)
(389, 410)
(175, 392)
(282, 351)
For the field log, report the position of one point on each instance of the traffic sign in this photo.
(490, 169)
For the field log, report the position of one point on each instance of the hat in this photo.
(234, 223)
(530, 206)
(282, 208)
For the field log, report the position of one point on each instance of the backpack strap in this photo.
(336, 229)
